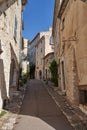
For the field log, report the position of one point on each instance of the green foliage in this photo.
(24, 77)
(28, 69)
(32, 70)
(21, 82)
(2, 113)
(20, 70)
(54, 72)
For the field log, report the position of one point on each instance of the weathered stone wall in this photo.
(81, 46)
(43, 47)
(56, 36)
(32, 50)
(48, 47)
(25, 60)
(40, 51)
(10, 21)
(73, 49)
(56, 41)
(47, 61)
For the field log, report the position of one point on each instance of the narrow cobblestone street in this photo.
(39, 111)
(43, 65)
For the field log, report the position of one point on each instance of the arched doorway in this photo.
(12, 67)
(40, 74)
(13, 76)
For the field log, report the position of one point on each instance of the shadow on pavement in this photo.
(39, 111)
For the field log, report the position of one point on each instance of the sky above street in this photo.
(38, 16)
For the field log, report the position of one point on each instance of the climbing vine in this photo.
(54, 72)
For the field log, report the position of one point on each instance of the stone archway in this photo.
(13, 79)
(40, 74)
(13, 76)
(12, 69)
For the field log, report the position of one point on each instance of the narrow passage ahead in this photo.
(39, 111)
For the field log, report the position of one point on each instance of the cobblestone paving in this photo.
(9, 119)
(9, 122)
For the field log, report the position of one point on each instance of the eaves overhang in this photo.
(24, 2)
(5, 4)
(56, 9)
(62, 8)
(42, 38)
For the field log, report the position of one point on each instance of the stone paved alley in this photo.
(39, 111)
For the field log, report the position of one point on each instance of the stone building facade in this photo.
(43, 47)
(72, 53)
(24, 55)
(32, 54)
(55, 31)
(56, 37)
(10, 41)
(32, 49)
(47, 61)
